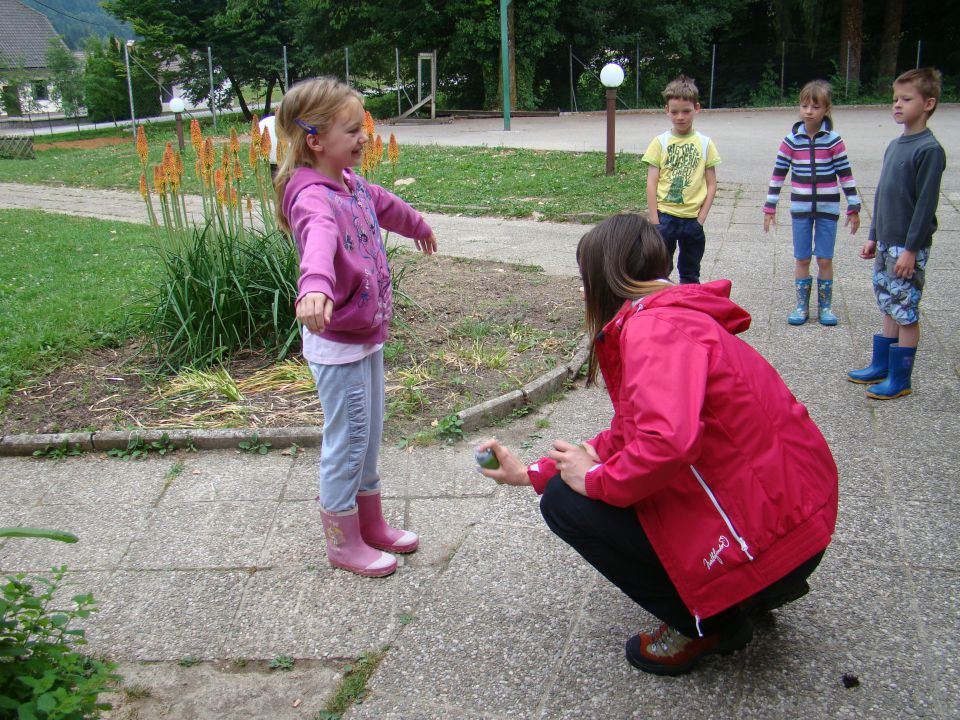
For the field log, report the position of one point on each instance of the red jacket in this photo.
(732, 481)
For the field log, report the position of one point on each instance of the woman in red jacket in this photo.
(713, 494)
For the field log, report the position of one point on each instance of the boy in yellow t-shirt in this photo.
(682, 179)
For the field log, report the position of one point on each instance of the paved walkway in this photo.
(218, 556)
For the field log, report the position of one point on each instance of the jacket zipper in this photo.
(736, 536)
(743, 543)
(813, 172)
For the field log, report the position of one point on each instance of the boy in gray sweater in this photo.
(904, 220)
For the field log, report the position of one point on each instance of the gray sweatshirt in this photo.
(904, 209)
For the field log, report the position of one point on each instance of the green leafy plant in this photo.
(282, 662)
(42, 672)
(58, 452)
(138, 448)
(254, 445)
(188, 661)
(450, 428)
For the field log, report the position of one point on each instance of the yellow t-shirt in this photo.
(682, 188)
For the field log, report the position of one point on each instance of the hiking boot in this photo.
(669, 652)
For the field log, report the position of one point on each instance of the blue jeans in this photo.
(816, 235)
(351, 396)
(688, 234)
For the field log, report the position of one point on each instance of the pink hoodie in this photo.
(341, 251)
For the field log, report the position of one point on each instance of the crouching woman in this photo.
(712, 495)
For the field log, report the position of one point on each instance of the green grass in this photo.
(65, 285)
(505, 182)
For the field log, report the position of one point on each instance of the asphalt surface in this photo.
(218, 556)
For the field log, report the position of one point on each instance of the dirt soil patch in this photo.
(90, 144)
(464, 331)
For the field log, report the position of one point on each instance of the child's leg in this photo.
(899, 300)
(692, 243)
(668, 232)
(370, 476)
(801, 268)
(824, 268)
(344, 392)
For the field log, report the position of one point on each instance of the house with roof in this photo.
(25, 35)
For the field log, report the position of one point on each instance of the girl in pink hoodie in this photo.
(344, 303)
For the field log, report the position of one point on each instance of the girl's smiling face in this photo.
(341, 146)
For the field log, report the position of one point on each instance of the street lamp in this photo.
(611, 76)
(176, 107)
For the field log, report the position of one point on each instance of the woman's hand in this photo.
(511, 470)
(314, 310)
(573, 462)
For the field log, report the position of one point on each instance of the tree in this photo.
(890, 47)
(245, 37)
(851, 40)
(67, 76)
(105, 83)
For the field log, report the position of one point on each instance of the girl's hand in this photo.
(314, 310)
(573, 462)
(868, 250)
(768, 220)
(511, 470)
(853, 220)
(428, 246)
(906, 264)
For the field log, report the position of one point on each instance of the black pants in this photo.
(613, 541)
(688, 233)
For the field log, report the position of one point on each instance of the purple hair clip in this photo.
(310, 129)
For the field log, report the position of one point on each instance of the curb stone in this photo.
(473, 418)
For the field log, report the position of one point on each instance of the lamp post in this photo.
(177, 107)
(611, 76)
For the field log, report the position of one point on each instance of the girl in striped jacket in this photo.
(818, 160)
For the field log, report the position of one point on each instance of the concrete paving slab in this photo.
(223, 689)
(930, 533)
(228, 475)
(98, 480)
(209, 535)
(104, 531)
(938, 607)
(321, 613)
(165, 615)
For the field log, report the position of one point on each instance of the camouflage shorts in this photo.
(898, 297)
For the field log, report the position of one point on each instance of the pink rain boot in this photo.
(346, 548)
(377, 532)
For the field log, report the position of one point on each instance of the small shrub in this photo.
(138, 448)
(282, 662)
(58, 452)
(42, 672)
(450, 428)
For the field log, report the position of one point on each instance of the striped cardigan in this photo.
(820, 169)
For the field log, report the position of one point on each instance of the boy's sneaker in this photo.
(669, 652)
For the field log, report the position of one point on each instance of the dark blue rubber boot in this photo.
(897, 383)
(877, 369)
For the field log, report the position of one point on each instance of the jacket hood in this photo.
(304, 177)
(712, 298)
(825, 126)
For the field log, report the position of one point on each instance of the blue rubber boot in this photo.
(802, 312)
(897, 383)
(877, 369)
(825, 301)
